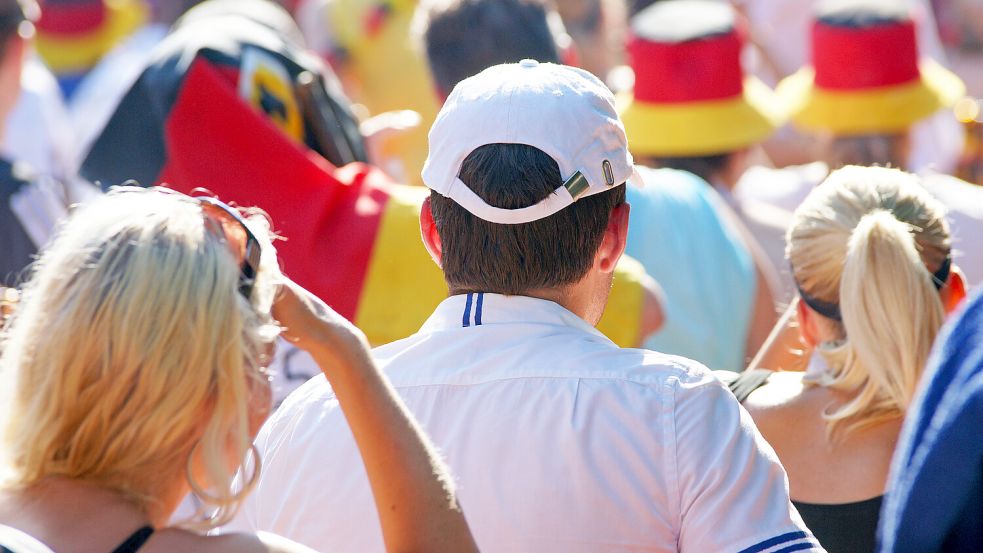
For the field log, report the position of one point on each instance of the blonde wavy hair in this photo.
(133, 356)
(869, 239)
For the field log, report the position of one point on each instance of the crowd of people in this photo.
(497, 275)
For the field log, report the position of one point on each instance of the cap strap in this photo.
(577, 185)
(466, 198)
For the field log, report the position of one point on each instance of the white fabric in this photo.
(19, 542)
(558, 440)
(766, 199)
(39, 207)
(563, 111)
(783, 188)
(38, 131)
(291, 368)
(683, 21)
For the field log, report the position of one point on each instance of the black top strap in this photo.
(135, 541)
(747, 382)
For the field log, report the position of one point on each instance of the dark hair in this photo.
(12, 15)
(635, 6)
(464, 37)
(479, 256)
(704, 167)
(886, 150)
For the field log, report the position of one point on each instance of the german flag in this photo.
(209, 112)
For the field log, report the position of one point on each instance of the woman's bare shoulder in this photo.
(782, 391)
(782, 400)
(173, 539)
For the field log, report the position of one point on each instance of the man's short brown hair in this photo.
(463, 37)
(479, 256)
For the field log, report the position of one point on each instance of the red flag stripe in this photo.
(216, 141)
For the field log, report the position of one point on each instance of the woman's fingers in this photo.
(312, 325)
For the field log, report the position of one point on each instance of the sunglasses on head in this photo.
(242, 241)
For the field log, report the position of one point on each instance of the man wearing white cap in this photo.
(558, 439)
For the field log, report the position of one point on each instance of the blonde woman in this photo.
(133, 367)
(870, 253)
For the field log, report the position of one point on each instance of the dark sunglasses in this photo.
(243, 242)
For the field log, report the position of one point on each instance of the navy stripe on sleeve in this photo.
(466, 321)
(797, 547)
(777, 540)
(477, 309)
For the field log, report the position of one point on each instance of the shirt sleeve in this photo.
(733, 493)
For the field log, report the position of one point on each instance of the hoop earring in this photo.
(208, 497)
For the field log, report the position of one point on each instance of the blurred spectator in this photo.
(369, 44)
(871, 255)
(30, 204)
(781, 31)
(693, 110)
(598, 30)
(96, 96)
(462, 38)
(136, 358)
(935, 496)
(863, 93)
(73, 35)
(545, 422)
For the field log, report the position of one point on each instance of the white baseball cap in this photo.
(563, 111)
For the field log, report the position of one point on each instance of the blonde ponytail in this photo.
(868, 240)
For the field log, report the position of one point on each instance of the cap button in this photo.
(528, 63)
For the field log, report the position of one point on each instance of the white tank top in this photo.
(13, 540)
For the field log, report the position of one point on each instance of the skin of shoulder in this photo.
(789, 415)
(780, 396)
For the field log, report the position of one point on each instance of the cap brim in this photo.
(701, 128)
(888, 109)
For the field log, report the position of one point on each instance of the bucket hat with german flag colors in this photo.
(691, 95)
(866, 76)
(74, 34)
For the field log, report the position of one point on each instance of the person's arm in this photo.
(763, 314)
(413, 493)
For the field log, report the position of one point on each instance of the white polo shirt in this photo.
(558, 440)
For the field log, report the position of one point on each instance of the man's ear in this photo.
(428, 231)
(615, 238)
(954, 291)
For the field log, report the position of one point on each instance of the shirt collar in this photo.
(480, 309)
